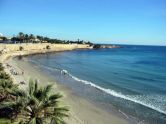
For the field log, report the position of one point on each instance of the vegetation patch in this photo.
(21, 48)
(36, 105)
(31, 38)
(48, 47)
(97, 46)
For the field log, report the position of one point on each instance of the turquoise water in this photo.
(131, 79)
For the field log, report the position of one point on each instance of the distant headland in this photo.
(31, 38)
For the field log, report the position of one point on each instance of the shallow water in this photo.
(132, 79)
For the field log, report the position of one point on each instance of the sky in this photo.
(100, 21)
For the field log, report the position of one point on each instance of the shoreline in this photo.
(81, 110)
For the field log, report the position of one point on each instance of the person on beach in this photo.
(22, 82)
(63, 72)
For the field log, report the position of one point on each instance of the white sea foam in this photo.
(145, 100)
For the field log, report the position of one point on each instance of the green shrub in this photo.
(97, 46)
(48, 47)
(21, 48)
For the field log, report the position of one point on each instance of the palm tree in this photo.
(11, 109)
(31, 37)
(7, 89)
(44, 105)
(38, 106)
(21, 36)
(40, 38)
(9, 93)
(6, 85)
(26, 37)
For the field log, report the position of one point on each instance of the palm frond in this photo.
(4, 75)
(57, 120)
(36, 85)
(55, 96)
(37, 106)
(7, 104)
(32, 121)
(1, 67)
(31, 87)
(46, 91)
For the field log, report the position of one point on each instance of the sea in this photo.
(131, 79)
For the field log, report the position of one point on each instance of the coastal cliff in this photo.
(9, 50)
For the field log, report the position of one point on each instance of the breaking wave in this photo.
(150, 101)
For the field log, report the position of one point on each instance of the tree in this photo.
(43, 105)
(15, 39)
(12, 107)
(26, 37)
(97, 46)
(36, 106)
(39, 37)
(7, 89)
(21, 36)
(90, 44)
(4, 38)
(46, 39)
(31, 37)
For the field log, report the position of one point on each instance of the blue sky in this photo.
(101, 21)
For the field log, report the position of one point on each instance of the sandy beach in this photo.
(81, 110)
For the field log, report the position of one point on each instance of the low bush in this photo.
(48, 47)
(21, 48)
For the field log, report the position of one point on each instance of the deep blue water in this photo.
(131, 79)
